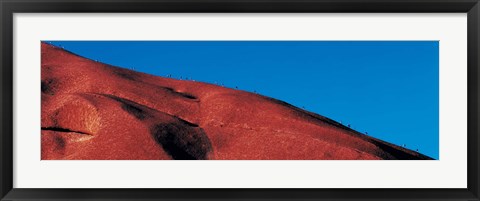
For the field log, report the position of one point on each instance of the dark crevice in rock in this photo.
(66, 130)
(182, 141)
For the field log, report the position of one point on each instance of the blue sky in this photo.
(386, 88)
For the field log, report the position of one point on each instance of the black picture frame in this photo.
(9, 7)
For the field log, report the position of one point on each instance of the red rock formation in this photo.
(95, 111)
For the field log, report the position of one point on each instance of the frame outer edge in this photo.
(473, 24)
(6, 151)
(6, 106)
(2, 172)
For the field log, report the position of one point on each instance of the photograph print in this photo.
(240, 100)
